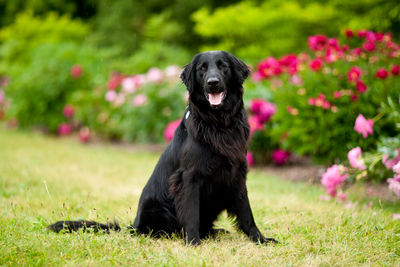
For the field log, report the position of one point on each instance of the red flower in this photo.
(381, 73)
(76, 71)
(317, 42)
(68, 111)
(395, 70)
(369, 46)
(280, 156)
(354, 74)
(360, 86)
(349, 33)
(64, 129)
(316, 64)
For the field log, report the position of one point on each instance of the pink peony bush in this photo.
(333, 95)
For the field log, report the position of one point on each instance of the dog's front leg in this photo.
(188, 207)
(245, 220)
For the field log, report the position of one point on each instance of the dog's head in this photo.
(214, 79)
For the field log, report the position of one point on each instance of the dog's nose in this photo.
(213, 81)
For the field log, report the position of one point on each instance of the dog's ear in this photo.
(240, 69)
(188, 75)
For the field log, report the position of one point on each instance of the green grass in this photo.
(44, 179)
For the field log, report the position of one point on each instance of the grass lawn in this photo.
(44, 179)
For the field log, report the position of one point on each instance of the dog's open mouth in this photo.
(215, 99)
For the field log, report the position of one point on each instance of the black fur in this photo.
(203, 170)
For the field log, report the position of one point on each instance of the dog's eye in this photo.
(203, 68)
(222, 66)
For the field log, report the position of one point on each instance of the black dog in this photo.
(203, 170)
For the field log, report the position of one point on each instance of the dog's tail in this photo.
(73, 226)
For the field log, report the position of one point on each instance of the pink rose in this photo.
(395, 70)
(317, 42)
(84, 135)
(332, 179)
(68, 111)
(280, 156)
(76, 71)
(64, 129)
(363, 126)
(139, 100)
(255, 124)
(155, 75)
(381, 73)
(354, 74)
(316, 64)
(390, 163)
(170, 130)
(355, 159)
(360, 86)
(250, 159)
(111, 96)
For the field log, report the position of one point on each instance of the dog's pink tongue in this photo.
(215, 98)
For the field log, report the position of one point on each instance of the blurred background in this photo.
(110, 70)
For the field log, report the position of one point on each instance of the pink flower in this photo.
(362, 33)
(317, 42)
(337, 94)
(280, 156)
(296, 80)
(390, 163)
(114, 81)
(155, 75)
(360, 86)
(170, 130)
(139, 100)
(316, 64)
(394, 185)
(263, 109)
(355, 159)
(255, 124)
(68, 111)
(363, 126)
(396, 168)
(332, 179)
(172, 71)
(111, 96)
(64, 129)
(342, 196)
(395, 70)
(257, 76)
(84, 135)
(2, 97)
(250, 159)
(369, 46)
(76, 71)
(269, 67)
(381, 73)
(354, 74)
(289, 63)
(349, 33)
(356, 51)
(129, 84)
(312, 101)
